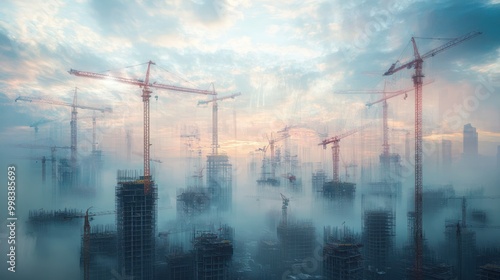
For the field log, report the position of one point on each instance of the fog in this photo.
(255, 212)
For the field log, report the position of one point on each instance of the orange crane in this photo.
(215, 121)
(385, 126)
(74, 119)
(146, 86)
(336, 149)
(417, 63)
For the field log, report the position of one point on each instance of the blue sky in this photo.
(287, 58)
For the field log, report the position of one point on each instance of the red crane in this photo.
(385, 127)
(146, 86)
(215, 129)
(336, 148)
(417, 63)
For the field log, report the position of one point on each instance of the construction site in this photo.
(147, 181)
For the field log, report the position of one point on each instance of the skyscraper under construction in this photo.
(136, 225)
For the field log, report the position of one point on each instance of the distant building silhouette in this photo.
(470, 142)
(446, 153)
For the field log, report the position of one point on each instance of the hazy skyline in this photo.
(287, 59)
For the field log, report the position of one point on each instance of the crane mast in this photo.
(417, 77)
(385, 126)
(146, 86)
(146, 95)
(336, 149)
(74, 136)
(73, 123)
(215, 120)
(86, 246)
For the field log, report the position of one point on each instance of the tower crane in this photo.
(86, 246)
(272, 142)
(74, 119)
(336, 148)
(53, 150)
(385, 126)
(417, 64)
(38, 123)
(284, 209)
(263, 179)
(464, 206)
(215, 121)
(146, 86)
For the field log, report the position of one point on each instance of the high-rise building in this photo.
(378, 242)
(446, 153)
(136, 225)
(219, 181)
(470, 141)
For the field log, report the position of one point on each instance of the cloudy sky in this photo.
(289, 59)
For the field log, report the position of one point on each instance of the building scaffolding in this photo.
(318, 180)
(461, 249)
(489, 272)
(136, 213)
(42, 220)
(342, 256)
(102, 252)
(378, 241)
(220, 181)
(192, 202)
(212, 255)
(339, 190)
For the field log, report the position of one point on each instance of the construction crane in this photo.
(86, 246)
(336, 148)
(417, 64)
(53, 150)
(74, 119)
(263, 179)
(272, 142)
(464, 205)
(215, 121)
(38, 123)
(146, 86)
(385, 126)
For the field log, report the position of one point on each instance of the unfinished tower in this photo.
(212, 255)
(219, 181)
(342, 257)
(461, 245)
(102, 253)
(378, 233)
(136, 225)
